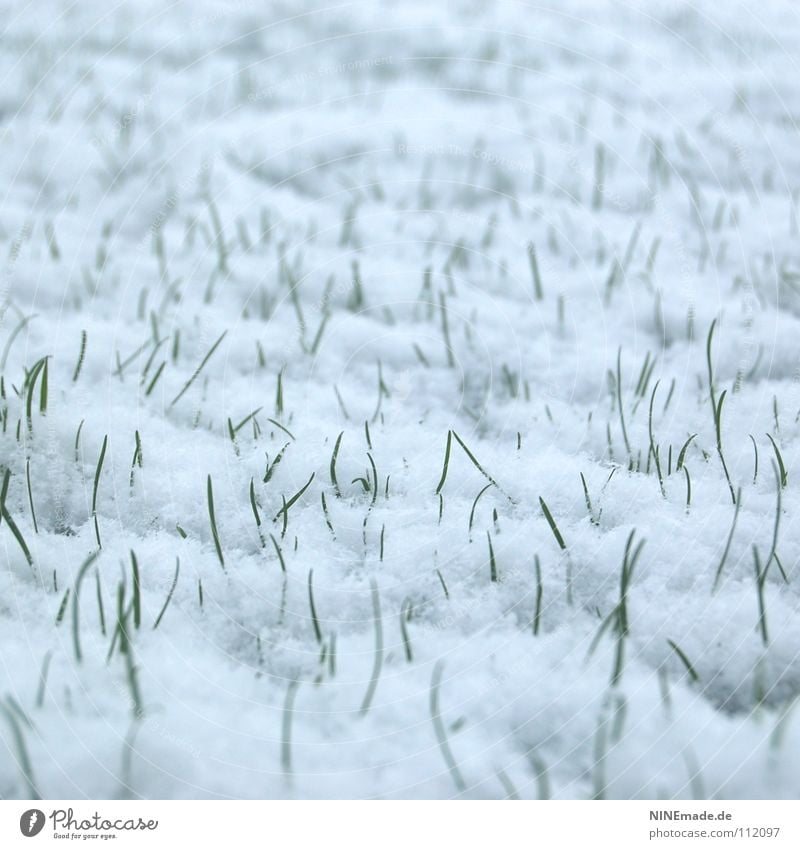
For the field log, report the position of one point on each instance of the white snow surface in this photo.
(173, 172)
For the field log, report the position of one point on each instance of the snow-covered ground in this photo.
(448, 272)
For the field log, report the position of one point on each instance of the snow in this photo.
(215, 168)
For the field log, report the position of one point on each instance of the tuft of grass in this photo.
(440, 730)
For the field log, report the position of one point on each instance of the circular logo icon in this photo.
(31, 822)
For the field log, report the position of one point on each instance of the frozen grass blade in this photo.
(333, 465)
(312, 607)
(727, 549)
(212, 518)
(12, 525)
(137, 455)
(716, 407)
(781, 467)
(406, 612)
(474, 506)
(537, 278)
(286, 727)
(448, 347)
(30, 495)
(440, 731)
(279, 553)
(761, 579)
(197, 371)
(718, 428)
(97, 472)
(169, 594)
(79, 365)
(284, 511)
(76, 642)
(42, 689)
(446, 464)
(479, 467)
(492, 563)
(537, 614)
(682, 452)
(653, 446)
(695, 678)
(23, 758)
(552, 522)
(38, 371)
(619, 401)
(137, 592)
(378, 656)
(327, 515)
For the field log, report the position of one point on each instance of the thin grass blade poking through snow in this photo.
(212, 518)
(440, 730)
(197, 371)
(377, 662)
